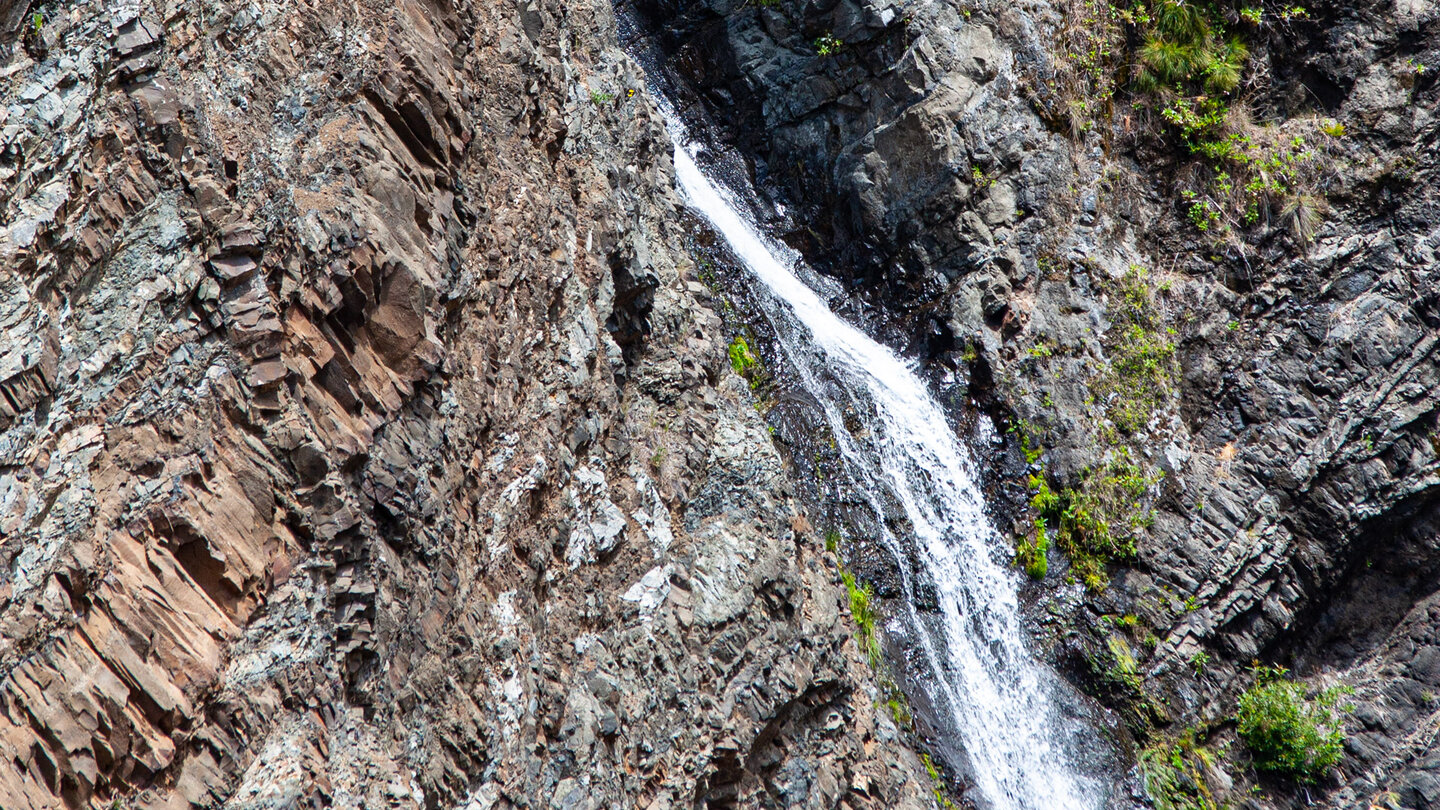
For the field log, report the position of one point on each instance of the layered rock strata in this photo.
(366, 441)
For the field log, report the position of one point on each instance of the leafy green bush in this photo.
(1287, 732)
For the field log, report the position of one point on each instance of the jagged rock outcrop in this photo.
(932, 163)
(365, 440)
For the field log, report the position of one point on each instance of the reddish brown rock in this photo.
(321, 480)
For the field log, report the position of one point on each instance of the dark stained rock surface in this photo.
(930, 164)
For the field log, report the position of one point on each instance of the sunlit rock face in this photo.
(366, 438)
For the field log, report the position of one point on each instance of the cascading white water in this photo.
(1001, 699)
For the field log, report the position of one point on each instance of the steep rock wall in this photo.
(364, 438)
(934, 165)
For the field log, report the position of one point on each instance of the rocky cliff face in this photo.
(365, 439)
(1267, 394)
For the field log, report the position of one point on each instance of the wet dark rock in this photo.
(1296, 519)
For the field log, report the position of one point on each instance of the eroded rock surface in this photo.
(366, 439)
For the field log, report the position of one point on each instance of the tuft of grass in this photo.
(1302, 214)
(1287, 731)
(1185, 49)
(1032, 554)
(1174, 774)
(862, 609)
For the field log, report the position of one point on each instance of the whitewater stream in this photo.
(1001, 701)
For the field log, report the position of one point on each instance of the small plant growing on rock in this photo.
(1288, 732)
(937, 784)
(1175, 774)
(600, 97)
(862, 609)
(741, 358)
(867, 635)
(1198, 661)
(1123, 670)
(1143, 369)
(1032, 554)
(828, 45)
(1203, 213)
(1303, 214)
(1095, 523)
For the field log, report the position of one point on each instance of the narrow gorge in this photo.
(719, 403)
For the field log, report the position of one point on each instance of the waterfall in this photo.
(1001, 700)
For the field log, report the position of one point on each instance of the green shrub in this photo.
(1287, 732)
